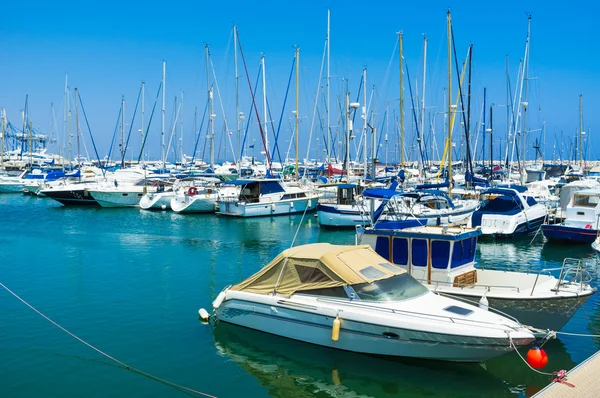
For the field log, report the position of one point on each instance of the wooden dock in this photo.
(585, 377)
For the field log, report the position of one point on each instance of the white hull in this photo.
(372, 328)
(267, 208)
(117, 199)
(11, 187)
(200, 203)
(157, 201)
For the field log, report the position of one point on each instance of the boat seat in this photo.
(467, 279)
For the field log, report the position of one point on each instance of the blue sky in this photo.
(108, 49)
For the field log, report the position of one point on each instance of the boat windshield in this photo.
(396, 288)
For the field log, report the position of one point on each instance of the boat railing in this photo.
(360, 304)
(572, 272)
(470, 285)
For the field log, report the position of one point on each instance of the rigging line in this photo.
(149, 122)
(227, 131)
(198, 138)
(131, 126)
(88, 126)
(102, 352)
(287, 90)
(312, 122)
(250, 116)
(262, 133)
(114, 135)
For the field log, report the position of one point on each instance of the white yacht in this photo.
(194, 199)
(508, 213)
(443, 259)
(267, 197)
(350, 298)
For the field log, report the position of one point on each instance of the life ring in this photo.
(192, 191)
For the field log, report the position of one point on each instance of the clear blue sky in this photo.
(110, 47)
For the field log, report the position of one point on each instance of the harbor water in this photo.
(130, 283)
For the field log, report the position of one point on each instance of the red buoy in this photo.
(536, 357)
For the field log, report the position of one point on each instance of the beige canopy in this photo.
(318, 266)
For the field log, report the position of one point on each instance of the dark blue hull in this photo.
(562, 233)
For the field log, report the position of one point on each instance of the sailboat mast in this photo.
(264, 84)
(2, 149)
(210, 110)
(364, 117)
(237, 95)
(77, 128)
(65, 108)
(162, 130)
(121, 145)
(449, 106)
(181, 130)
(423, 94)
(348, 132)
(401, 102)
(581, 133)
(328, 86)
(142, 122)
(297, 105)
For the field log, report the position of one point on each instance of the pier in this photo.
(584, 377)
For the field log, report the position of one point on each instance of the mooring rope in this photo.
(512, 344)
(103, 353)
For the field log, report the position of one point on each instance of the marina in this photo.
(300, 215)
(131, 281)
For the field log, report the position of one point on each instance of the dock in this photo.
(585, 377)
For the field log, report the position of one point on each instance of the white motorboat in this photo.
(433, 206)
(443, 259)
(508, 213)
(582, 219)
(350, 298)
(348, 209)
(267, 197)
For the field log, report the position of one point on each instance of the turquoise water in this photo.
(131, 282)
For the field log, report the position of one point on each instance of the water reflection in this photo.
(295, 369)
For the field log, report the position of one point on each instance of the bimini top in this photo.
(319, 266)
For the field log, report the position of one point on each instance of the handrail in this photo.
(462, 285)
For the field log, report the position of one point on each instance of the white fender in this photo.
(217, 303)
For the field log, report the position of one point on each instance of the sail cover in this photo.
(318, 266)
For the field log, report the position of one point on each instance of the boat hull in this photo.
(263, 209)
(562, 233)
(73, 197)
(362, 337)
(117, 199)
(335, 216)
(523, 229)
(200, 203)
(156, 201)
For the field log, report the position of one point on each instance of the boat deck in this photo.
(584, 377)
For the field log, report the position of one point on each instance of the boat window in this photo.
(327, 292)
(301, 195)
(311, 275)
(372, 272)
(458, 310)
(390, 267)
(382, 246)
(440, 254)
(464, 252)
(419, 252)
(586, 200)
(399, 287)
(400, 251)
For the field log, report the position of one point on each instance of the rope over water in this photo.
(180, 387)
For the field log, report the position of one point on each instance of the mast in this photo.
(181, 130)
(121, 145)
(423, 96)
(162, 130)
(491, 145)
(142, 123)
(297, 105)
(328, 87)
(65, 108)
(364, 117)
(264, 84)
(581, 133)
(210, 110)
(2, 149)
(237, 95)
(77, 129)
(348, 132)
(401, 102)
(449, 106)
